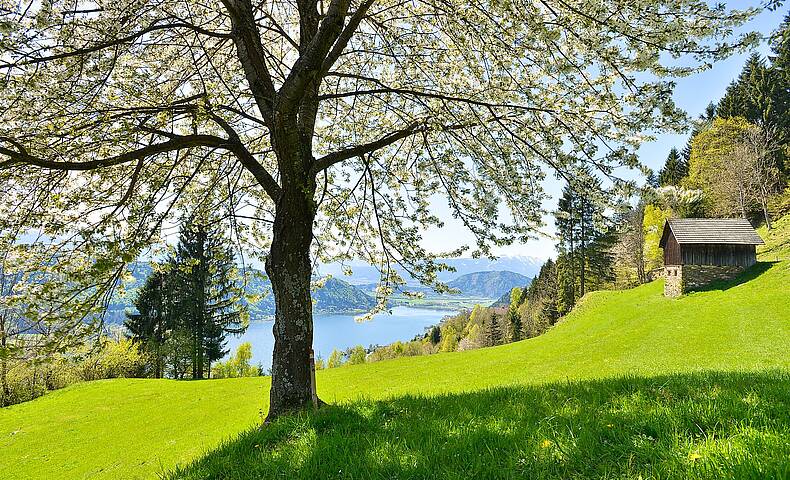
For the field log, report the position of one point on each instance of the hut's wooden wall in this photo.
(718, 254)
(672, 252)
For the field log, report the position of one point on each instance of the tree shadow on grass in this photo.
(747, 275)
(706, 425)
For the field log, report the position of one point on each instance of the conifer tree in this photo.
(780, 65)
(582, 231)
(543, 294)
(751, 95)
(674, 169)
(210, 297)
(435, 335)
(150, 325)
(513, 324)
(493, 330)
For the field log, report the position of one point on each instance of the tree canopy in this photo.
(323, 127)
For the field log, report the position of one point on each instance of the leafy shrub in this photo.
(237, 366)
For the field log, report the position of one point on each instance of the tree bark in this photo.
(6, 396)
(764, 204)
(289, 269)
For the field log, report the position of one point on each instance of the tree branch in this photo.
(178, 142)
(311, 61)
(336, 157)
(439, 96)
(252, 55)
(345, 36)
(115, 42)
(269, 184)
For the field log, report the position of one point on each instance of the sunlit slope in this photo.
(743, 326)
(137, 428)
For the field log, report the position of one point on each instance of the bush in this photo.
(116, 359)
(335, 359)
(238, 365)
(357, 355)
(29, 377)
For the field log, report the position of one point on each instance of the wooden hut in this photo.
(698, 251)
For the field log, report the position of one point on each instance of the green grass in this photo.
(777, 241)
(692, 426)
(630, 384)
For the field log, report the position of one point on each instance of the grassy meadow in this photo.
(689, 426)
(629, 384)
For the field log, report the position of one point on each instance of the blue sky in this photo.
(692, 94)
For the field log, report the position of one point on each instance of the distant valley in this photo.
(340, 296)
(365, 274)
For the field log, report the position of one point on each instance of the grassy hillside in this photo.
(777, 241)
(629, 384)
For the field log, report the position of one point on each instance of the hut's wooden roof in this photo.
(730, 231)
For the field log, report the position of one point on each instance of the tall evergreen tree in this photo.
(566, 285)
(743, 95)
(513, 323)
(780, 65)
(566, 221)
(435, 335)
(149, 327)
(493, 330)
(211, 306)
(544, 294)
(582, 231)
(674, 169)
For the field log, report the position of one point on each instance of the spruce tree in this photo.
(149, 326)
(581, 228)
(493, 330)
(753, 94)
(513, 324)
(780, 66)
(674, 169)
(544, 294)
(435, 335)
(210, 296)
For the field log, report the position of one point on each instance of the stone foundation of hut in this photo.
(682, 278)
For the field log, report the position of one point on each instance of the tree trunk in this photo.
(289, 269)
(764, 202)
(202, 280)
(6, 391)
(583, 238)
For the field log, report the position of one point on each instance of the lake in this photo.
(342, 331)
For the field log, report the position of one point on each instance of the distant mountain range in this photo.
(492, 284)
(341, 296)
(364, 273)
(336, 296)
